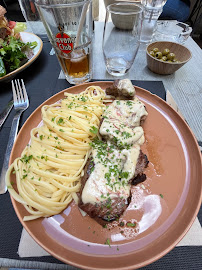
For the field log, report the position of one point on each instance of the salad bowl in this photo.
(25, 37)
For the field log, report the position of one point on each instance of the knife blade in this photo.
(5, 112)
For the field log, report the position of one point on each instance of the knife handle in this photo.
(11, 140)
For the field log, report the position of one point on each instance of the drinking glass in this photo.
(69, 27)
(121, 36)
(31, 15)
(152, 9)
(172, 31)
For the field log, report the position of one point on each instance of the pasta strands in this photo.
(49, 170)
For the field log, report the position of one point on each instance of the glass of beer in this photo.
(68, 25)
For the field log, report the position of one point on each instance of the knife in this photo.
(5, 112)
(170, 100)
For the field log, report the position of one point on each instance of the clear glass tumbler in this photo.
(152, 9)
(121, 36)
(172, 31)
(69, 27)
(31, 15)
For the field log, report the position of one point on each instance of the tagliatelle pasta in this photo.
(49, 169)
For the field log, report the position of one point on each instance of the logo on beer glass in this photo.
(64, 41)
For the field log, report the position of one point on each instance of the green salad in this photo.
(14, 53)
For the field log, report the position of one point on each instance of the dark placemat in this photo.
(41, 80)
(155, 87)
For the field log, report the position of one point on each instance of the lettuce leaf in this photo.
(19, 27)
(14, 52)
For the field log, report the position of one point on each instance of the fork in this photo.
(21, 103)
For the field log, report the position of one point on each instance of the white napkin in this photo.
(61, 75)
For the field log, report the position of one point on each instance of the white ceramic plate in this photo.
(26, 37)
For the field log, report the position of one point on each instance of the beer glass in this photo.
(69, 27)
(121, 36)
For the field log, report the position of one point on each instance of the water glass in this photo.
(31, 15)
(121, 36)
(152, 9)
(173, 31)
(69, 27)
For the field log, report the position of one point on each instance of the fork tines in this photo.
(19, 92)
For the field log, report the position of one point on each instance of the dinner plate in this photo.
(164, 206)
(26, 37)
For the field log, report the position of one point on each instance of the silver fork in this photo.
(21, 103)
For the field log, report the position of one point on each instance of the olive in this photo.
(164, 58)
(152, 53)
(155, 50)
(175, 60)
(170, 56)
(165, 51)
(158, 55)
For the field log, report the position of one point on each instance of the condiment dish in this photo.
(182, 54)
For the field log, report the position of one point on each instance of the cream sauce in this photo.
(126, 87)
(127, 112)
(104, 181)
(115, 160)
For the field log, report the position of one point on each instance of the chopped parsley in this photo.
(70, 105)
(129, 224)
(60, 121)
(129, 103)
(94, 130)
(108, 242)
(83, 98)
(126, 135)
(26, 159)
(121, 224)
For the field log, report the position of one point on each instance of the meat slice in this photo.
(108, 210)
(111, 209)
(142, 163)
(3, 32)
(121, 88)
(2, 12)
(121, 118)
(3, 23)
(117, 160)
